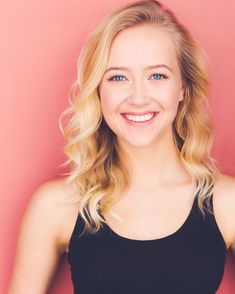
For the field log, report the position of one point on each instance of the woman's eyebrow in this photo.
(128, 69)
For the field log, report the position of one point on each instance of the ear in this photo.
(181, 95)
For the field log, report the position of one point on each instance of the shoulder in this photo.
(53, 196)
(51, 201)
(224, 207)
(40, 241)
(225, 182)
(53, 190)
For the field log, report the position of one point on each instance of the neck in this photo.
(158, 164)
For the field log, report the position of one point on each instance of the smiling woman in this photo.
(146, 208)
(143, 90)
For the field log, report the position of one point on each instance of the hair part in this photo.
(98, 165)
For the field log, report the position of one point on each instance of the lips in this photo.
(139, 123)
(140, 113)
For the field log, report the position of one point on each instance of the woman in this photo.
(144, 208)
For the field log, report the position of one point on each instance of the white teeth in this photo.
(139, 117)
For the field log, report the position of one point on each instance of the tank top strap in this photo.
(79, 228)
(210, 219)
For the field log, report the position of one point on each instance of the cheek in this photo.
(109, 100)
(170, 98)
(109, 106)
(106, 105)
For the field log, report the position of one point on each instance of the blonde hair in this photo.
(97, 164)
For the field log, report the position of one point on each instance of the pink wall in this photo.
(40, 41)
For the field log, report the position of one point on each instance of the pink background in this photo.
(40, 42)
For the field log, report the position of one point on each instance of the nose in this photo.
(138, 94)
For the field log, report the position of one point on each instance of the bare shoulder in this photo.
(54, 191)
(224, 207)
(53, 197)
(43, 236)
(225, 182)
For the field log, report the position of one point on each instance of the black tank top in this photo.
(189, 261)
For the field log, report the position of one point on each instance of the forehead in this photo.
(142, 45)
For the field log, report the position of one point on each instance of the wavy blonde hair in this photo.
(97, 164)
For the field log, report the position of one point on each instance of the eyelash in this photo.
(111, 79)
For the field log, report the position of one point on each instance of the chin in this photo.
(137, 143)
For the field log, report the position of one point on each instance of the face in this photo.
(139, 102)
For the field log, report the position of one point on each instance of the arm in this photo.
(230, 211)
(38, 246)
(233, 223)
(226, 208)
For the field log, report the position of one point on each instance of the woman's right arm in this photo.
(39, 245)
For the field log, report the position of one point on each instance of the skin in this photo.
(154, 157)
(157, 171)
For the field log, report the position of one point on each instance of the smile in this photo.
(143, 119)
(139, 118)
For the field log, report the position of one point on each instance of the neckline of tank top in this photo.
(147, 241)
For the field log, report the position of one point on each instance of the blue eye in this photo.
(159, 75)
(118, 80)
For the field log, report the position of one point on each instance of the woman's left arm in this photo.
(233, 221)
(224, 207)
(229, 201)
